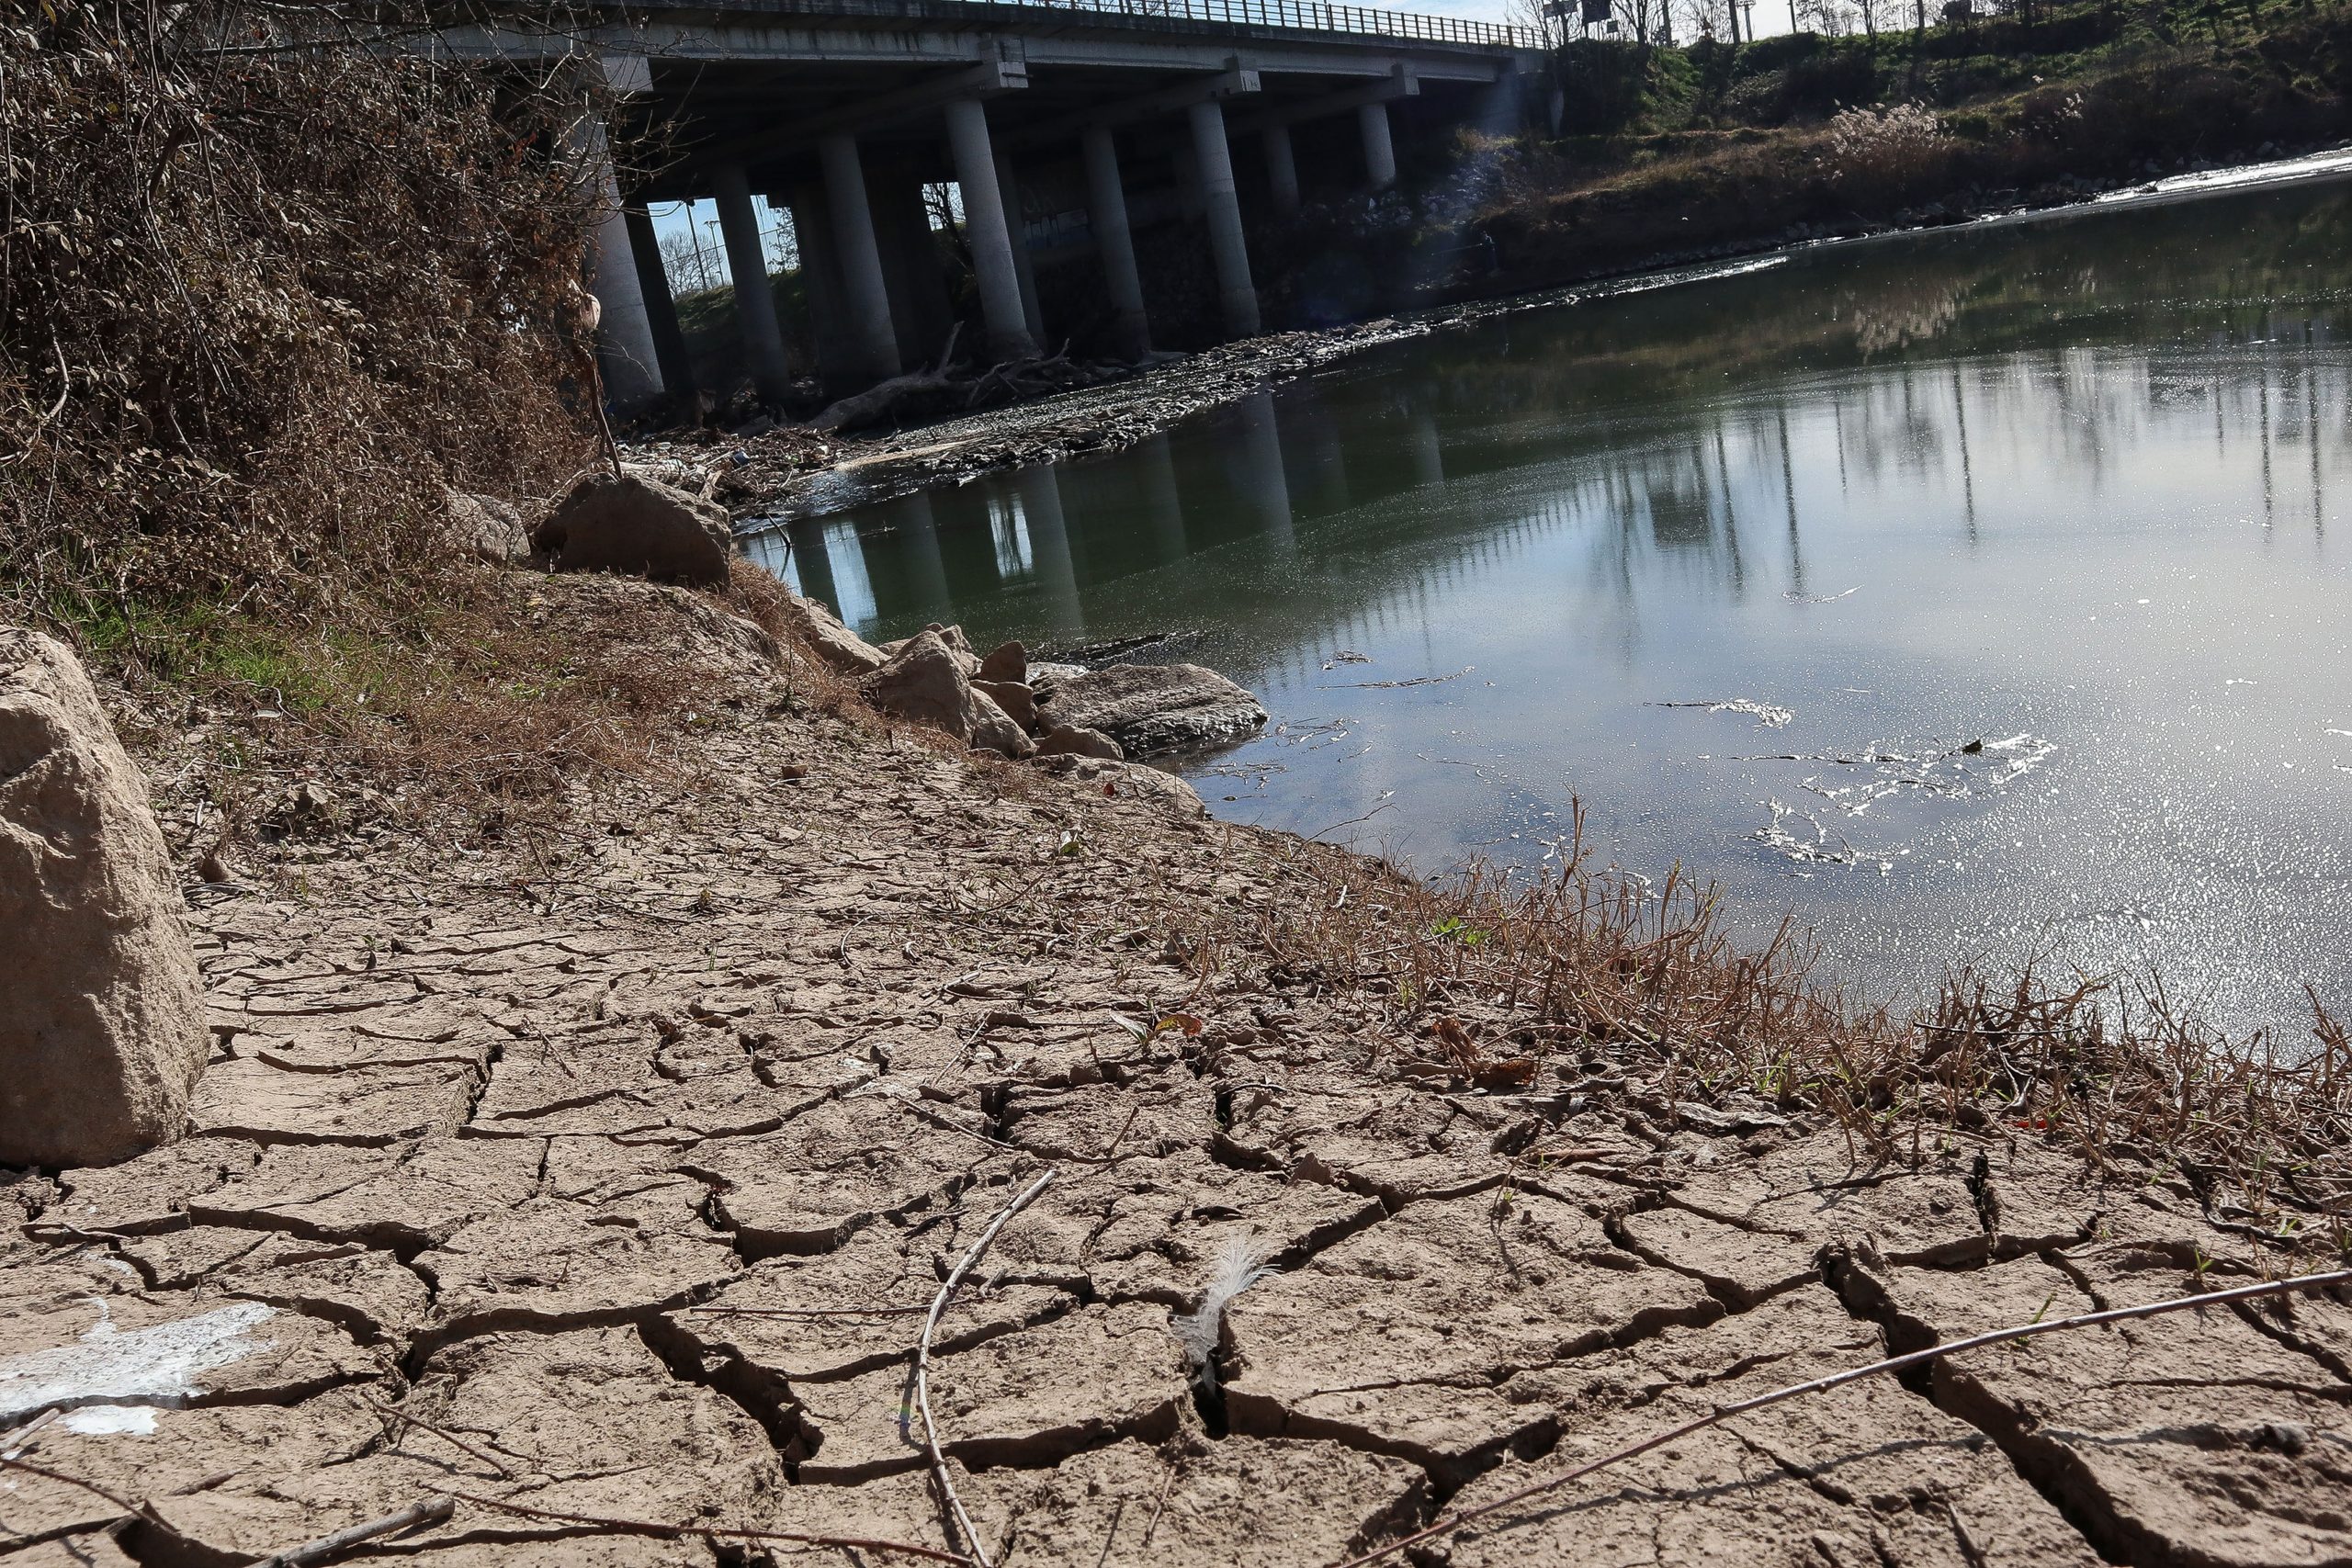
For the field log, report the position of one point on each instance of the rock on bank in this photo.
(102, 1014)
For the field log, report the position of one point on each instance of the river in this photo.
(2012, 556)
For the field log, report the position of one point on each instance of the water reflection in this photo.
(2039, 486)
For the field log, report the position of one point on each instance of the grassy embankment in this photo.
(1671, 151)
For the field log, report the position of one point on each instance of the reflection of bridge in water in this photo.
(1719, 492)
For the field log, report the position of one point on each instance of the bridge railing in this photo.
(1312, 15)
(1303, 15)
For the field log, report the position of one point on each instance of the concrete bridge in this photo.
(1068, 129)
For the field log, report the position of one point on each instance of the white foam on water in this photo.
(111, 1381)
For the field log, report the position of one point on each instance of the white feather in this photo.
(1241, 1263)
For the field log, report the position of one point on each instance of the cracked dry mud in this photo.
(630, 1168)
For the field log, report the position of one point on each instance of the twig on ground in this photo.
(116, 1498)
(1121, 1135)
(923, 1363)
(22, 1440)
(416, 1516)
(683, 1532)
(1159, 1508)
(1838, 1380)
(811, 1311)
(394, 1411)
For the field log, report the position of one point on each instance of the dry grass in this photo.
(1510, 980)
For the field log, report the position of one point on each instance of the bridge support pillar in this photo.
(747, 265)
(820, 281)
(1017, 226)
(669, 356)
(625, 355)
(986, 233)
(910, 273)
(1236, 294)
(1379, 149)
(1281, 171)
(1106, 213)
(862, 289)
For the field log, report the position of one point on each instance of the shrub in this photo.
(1886, 153)
(270, 285)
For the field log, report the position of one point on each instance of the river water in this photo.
(2013, 553)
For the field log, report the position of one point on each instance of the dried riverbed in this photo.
(610, 1180)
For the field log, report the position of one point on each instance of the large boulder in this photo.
(1009, 661)
(1019, 702)
(102, 1033)
(639, 526)
(953, 637)
(1150, 709)
(996, 730)
(925, 681)
(828, 639)
(1066, 741)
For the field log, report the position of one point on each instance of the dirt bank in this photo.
(611, 1177)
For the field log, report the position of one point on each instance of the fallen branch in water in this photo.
(682, 1532)
(922, 1364)
(1838, 1380)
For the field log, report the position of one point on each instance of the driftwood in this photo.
(416, 1516)
(1011, 382)
(963, 1521)
(869, 406)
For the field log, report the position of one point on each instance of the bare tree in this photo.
(688, 263)
(1710, 19)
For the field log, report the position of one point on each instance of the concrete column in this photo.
(1379, 152)
(747, 265)
(1282, 170)
(985, 231)
(864, 293)
(625, 355)
(821, 279)
(1188, 200)
(885, 198)
(1016, 228)
(926, 282)
(1236, 294)
(1107, 214)
(677, 367)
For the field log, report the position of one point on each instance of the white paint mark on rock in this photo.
(112, 1380)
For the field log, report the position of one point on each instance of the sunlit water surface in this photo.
(2017, 553)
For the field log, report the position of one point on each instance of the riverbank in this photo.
(606, 1170)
